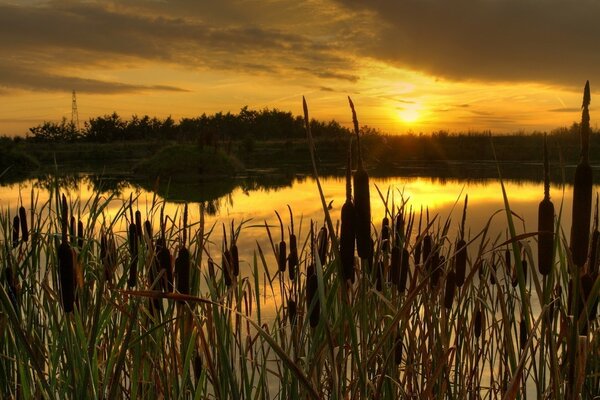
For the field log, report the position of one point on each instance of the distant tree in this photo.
(54, 132)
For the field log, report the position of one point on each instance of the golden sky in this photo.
(412, 65)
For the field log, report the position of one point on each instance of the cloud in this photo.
(51, 38)
(551, 41)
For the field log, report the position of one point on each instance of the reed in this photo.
(15, 231)
(460, 257)
(348, 226)
(182, 262)
(65, 263)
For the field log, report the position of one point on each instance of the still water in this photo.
(254, 205)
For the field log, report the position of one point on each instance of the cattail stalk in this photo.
(182, 262)
(65, 263)
(348, 227)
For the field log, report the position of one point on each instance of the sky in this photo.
(409, 66)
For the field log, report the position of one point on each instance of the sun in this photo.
(408, 115)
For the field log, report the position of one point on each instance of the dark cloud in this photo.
(56, 35)
(552, 41)
(19, 77)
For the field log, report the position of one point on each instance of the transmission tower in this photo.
(74, 112)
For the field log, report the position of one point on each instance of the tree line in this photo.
(205, 129)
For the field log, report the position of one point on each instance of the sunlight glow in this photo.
(409, 115)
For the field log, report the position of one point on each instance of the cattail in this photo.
(23, 220)
(293, 256)
(460, 260)
(148, 229)
(323, 242)
(133, 250)
(65, 264)
(312, 299)
(182, 262)
(398, 349)
(138, 224)
(11, 285)
(523, 333)
(80, 234)
(227, 268)
(403, 270)
(292, 311)
(399, 226)
(385, 234)
(197, 365)
(450, 288)
(348, 228)
(362, 199)
(282, 254)
(582, 191)
(478, 324)
(545, 222)
(235, 259)
(163, 256)
(587, 283)
(593, 265)
(73, 231)
(418, 245)
(15, 231)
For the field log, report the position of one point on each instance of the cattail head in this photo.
(545, 222)
(15, 231)
(395, 261)
(450, 288)
(292, 311)
(523, 333)
(582, 191)
(80, 234)
(227, 268)
(282, 253)
(293, 256)
(182, 270)
(163, 256)
(478, 323)
(385, 234)
(323, 244)
(398, 349)
(138, 224)
(23, 220)
(235, 260)
(460, 262)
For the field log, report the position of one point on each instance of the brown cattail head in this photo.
(15, 231)
(398, 349)
(235, 260)
(148, 229)
(73, 231)
(403, 270)
(66, 276)
(282, 253)
(64, 219)
(23, 220)
(163, 256)
(478, 323)
(293, 256)
(227, 268)
(523, 333)
(133, 250)
(323, 244)
(460, 262)
(385, 234)
(450, 288)
(80, 234)
(182, 270)
(593, 264)
(138, 224)
(292, 311)
(582, 191)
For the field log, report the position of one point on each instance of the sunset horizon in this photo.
(474, 66)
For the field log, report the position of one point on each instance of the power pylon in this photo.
(74, 112)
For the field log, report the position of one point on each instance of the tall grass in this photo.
(419, 317)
